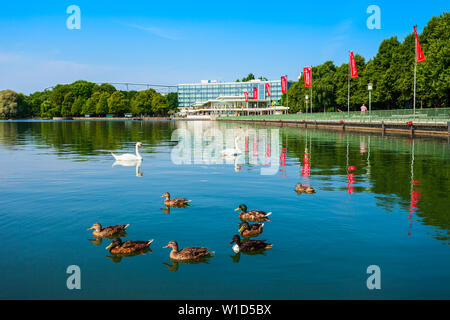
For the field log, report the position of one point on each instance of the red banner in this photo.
(283, 84)
(246, 96)
(420, 57)
(307, 76)
(353, 69)
(255, 93)
(268, 88)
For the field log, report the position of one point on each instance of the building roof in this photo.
(255, 81)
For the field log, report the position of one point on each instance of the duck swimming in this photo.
(187, 253)
(127, 247)
(250, 230)
(177, 202)
(306, 189)
(249, 245)
(110, 231)
(252, 215)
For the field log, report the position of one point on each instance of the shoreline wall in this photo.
(417, 128)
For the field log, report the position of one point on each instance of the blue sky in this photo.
(171, 42)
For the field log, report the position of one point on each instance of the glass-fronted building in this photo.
(195, 93)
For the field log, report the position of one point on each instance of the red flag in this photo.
(353, 69)
(268, 88)
(307, 76)
(255, 93)
(420, 57)
(283, 84)
(246, 96)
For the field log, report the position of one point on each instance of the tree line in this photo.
(83, 97)
(391, 72)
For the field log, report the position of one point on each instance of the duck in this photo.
(249, 245)
(129, 156)
(306, 189)
(110, 231)
(232, 151)
(252, 215)
(177, 202)
(187, 253)
(250, 230)
(127, 247)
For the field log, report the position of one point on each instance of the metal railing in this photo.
(433, 115)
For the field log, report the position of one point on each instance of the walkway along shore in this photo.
(408, 128)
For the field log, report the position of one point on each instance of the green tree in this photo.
(117, 103)
(77, 106)
(159, 105)
(48, 110)
(172, 100)
(105, 87)
(82, 88)
(9, 104)
(90, 107)
(66, 108)
(102, 104)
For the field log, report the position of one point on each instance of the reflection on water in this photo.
(117, 258)
(130, 163)
(174, 265)
(379, 200)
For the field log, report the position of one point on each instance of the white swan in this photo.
(232, 152)
(129, 156)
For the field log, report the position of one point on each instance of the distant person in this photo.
(363, 109)
(339, 110)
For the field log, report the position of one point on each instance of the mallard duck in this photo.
(100, 232)
(304, 189)
(187, 253)
(250, 230)
(177, 202)
(249, 245)
(252, 215)
(127, 247)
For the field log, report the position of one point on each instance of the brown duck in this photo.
(252, 215)
(177, 202)
(187, 253)
(250, 230)
(100, 232)
(304, 189)
(249, 245)
(127, 247)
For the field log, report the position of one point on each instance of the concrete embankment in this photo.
(415, 128)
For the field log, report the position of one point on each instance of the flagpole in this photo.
(348, 95)
(287, 95)
(311, 90)
(415, 70)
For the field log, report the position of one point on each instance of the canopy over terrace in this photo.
(235, 105)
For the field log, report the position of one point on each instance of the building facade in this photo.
(197, 93)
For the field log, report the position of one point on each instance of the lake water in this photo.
(58, 178)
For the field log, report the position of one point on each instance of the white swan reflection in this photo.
(130, 163)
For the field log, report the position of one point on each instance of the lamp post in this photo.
(370, 88)
(306, 99)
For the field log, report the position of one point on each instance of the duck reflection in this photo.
(174, 265)
(116, 258)
(237, 255)
(97, 241)
(166, 210)
(130, 163)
